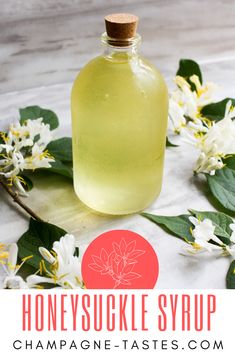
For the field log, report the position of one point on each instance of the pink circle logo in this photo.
(120, 259)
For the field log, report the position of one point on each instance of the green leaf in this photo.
(1, 138)
(216, 111)
(221, 222)
(177, 225)
(26, 270)
(230, 162)
(169, 144)
(61, 149)
(58, 167)
(39, 234)
(28, 182)
(222, 186)
(76, 252)
(230, 278)
(35, 112)
(187, 68)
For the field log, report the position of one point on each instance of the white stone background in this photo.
(43, 44)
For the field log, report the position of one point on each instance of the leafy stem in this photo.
(16, 199)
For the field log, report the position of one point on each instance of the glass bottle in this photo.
(119, 109)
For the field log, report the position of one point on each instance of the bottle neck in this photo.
(117, 49)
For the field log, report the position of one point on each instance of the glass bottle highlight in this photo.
(119, 119)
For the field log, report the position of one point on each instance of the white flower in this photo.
(186, 103)
(185, 97)
(18, 136)
(229, 110)
(38, 128)
(38, 159)
(198, 125)
(24, 149)
(8, 148)
(214, 142)
(203, 232)
(12, 164)
(205, 92)
(14, 281)
(202, 229)
(221, 136)
(207, 164)
(3, 254)
(176, 115)
(65, 267)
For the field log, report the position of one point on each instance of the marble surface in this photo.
(41, 49)
(33, 33)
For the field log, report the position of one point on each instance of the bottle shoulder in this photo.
(150, 67)
(104, 71)
(120, 62)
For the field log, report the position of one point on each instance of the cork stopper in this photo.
(121, 26)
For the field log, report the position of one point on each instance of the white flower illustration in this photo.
(119, 264)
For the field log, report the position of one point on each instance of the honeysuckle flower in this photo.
(8, 148)
(18, 136)
(19, 182)
(38, 128)
(24, 148)
(203, 232)
(3, 254)
(12, 280)
(176, 115)
(186, 103)
(64, 267)
(194, 132)
(208, 164)
(38, 159)
(229, 110)
(216, 143)
(204, 93)
(199, 126)
(221, 135)
(11, 164)
(185, 98)
(15, 282)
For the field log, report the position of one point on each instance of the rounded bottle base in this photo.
(102, 209)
